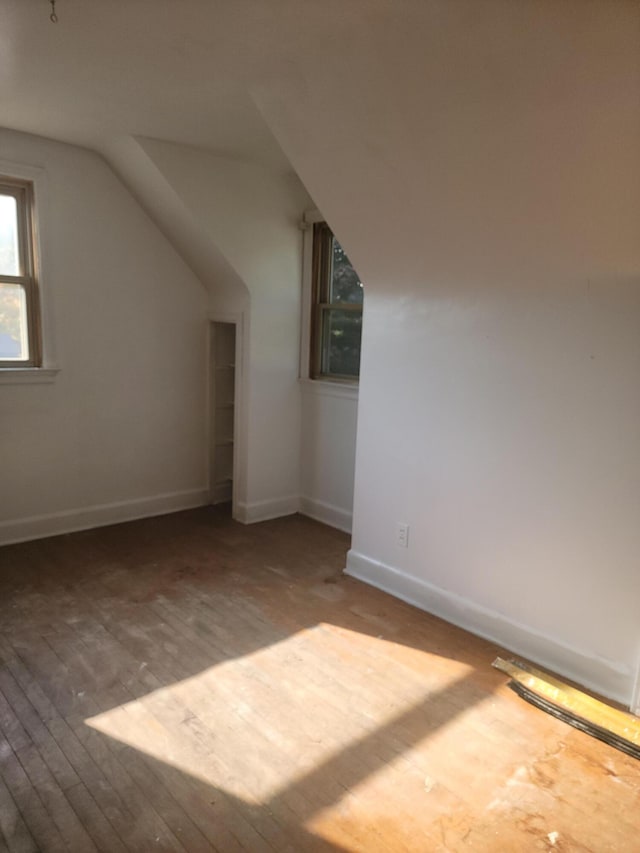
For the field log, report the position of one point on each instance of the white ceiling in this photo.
(179, 70)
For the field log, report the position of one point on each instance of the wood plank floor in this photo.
(188, 684)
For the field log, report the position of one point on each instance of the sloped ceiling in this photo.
(179, 71)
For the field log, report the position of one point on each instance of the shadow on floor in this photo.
(102, 620)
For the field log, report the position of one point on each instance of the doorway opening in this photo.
(222, 390)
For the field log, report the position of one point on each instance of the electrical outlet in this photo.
(402, 534)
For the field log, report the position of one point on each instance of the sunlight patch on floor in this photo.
(257, 724)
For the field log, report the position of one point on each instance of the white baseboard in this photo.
(264, 510)
(326, 513)
(100, 515)
(607, 677)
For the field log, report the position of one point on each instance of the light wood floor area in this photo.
(186, 683)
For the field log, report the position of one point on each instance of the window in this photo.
(19, 307)
(336, 310)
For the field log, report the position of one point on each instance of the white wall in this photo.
(237, 225)
(328, 444)
(252, 216)
(181, 224)
(481, 167)
(121, 431)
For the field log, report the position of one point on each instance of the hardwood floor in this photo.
(188, 684)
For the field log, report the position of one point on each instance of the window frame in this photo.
(22, 191)
(321, 306)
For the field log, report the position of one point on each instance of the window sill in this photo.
(326, 388)
(28, 375)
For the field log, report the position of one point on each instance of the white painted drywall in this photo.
(180, 224)
(328, 452)
(480, 164)
(121, 430)
(252, 214)
(237, 225)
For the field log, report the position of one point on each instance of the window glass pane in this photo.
(13, 323)
(341, 332)
(9, 252)
(345, 281)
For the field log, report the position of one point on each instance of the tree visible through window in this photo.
(338, 295)
(19, 317)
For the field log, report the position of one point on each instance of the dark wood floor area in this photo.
(186, 683)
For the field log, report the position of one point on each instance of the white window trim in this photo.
(28, 375)
(49, 369)
(327, 388)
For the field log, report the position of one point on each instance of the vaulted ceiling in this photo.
(179, 71)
